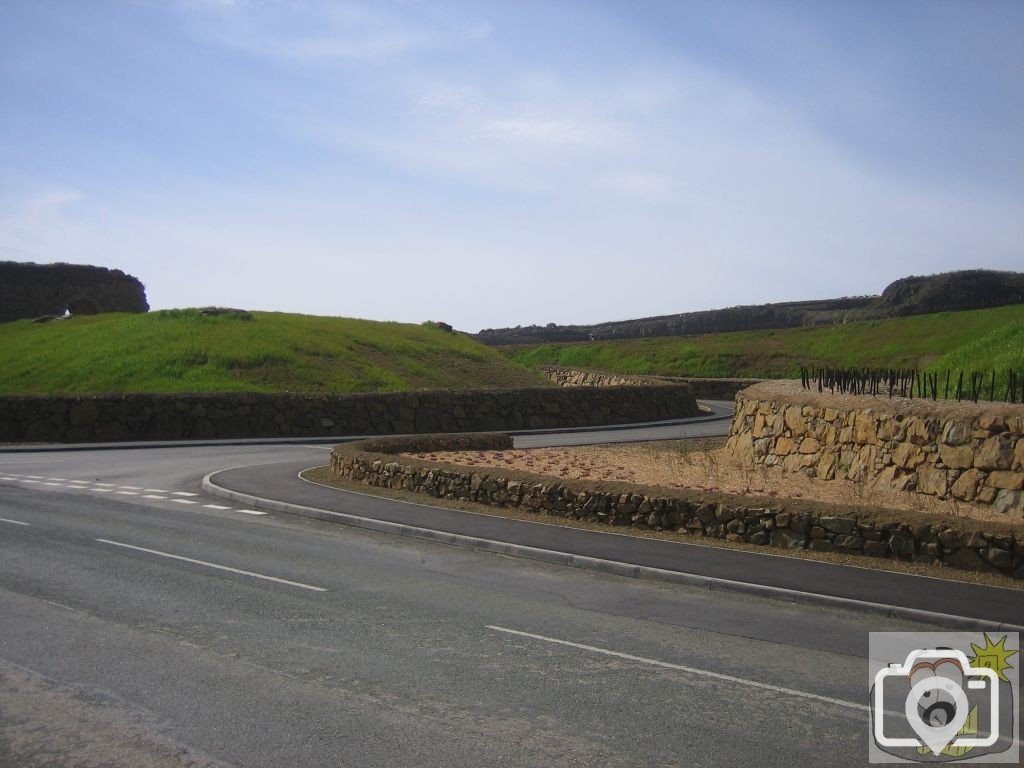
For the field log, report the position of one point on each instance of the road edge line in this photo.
(611, 567)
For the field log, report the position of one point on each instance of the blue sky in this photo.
(505, 163)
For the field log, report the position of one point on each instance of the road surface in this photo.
(146, 624)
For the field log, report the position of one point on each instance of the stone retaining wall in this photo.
(176, 417)
(706, 389)
(955, 451)
(767, 522)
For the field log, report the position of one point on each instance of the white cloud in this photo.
(556, 131)
(343, 32)
(648, 187)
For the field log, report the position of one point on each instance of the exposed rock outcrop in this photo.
(34, 290)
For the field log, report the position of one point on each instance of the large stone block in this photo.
(1005, 480)
(787, 539)
(966, 486)
(995, 453)
(864, 428)
(932, 480)
(908, 455)
(957, 457)
(1009, 502)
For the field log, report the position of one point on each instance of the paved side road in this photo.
(1000, 607)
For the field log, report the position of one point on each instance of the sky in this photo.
(492, 164)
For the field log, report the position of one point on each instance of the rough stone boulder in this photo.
(33, 290)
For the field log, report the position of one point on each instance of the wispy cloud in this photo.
(344, 32)
(557, 131)
(646, 187)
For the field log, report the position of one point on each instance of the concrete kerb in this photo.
(611, 567)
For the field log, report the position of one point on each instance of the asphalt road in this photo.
(715, 424)
(144, 624)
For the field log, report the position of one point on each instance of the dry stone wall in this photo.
(955, 451)
(763, 522)
(176, 417)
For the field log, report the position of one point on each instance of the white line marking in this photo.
(690, 670)
(130, 487)
(155, 490)
(13, 522)
(35, 477)
(34, 482)
(106, 485)
(153, 496)
(102, 490)
(214, 565)
(85, 482)
(184, 501)
(8, 478)
(58, 479)
(251, 512)
(215, 506)
(183, 493)
(55, 485)
(77, 487)
(126, 493)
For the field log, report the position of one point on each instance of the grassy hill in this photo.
(999, 351)
(975, 340)
(185, 351)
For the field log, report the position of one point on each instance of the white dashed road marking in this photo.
(157, 552)
(690, 670)
(155, 494)
(13, 522)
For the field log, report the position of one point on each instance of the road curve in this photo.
(949, 603)
(149, 625)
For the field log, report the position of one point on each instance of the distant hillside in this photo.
(193, 351)
(974, 340)
(948, 292)
(31, 290)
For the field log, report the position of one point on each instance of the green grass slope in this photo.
(907, 342)
(998, 351)
(183, 351)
